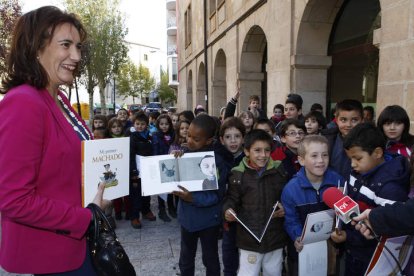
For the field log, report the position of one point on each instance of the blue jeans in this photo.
(209, 248)
(229, 250)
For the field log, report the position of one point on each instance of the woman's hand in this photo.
(98, 199)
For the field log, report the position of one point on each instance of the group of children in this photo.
(288, 160)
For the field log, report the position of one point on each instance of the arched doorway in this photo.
(354, 70)
(253, 67)
(201, 86)
(189, 95)
(218, 93)
(334, 57)
(310, 62)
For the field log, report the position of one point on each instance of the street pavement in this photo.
(154, 249)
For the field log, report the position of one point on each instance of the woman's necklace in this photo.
(78, 127)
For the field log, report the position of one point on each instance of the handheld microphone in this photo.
(345, 208)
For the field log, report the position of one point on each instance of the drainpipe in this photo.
(205, 53)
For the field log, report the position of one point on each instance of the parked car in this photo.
(134, 108)
(171, 109)
(153, 106)
(109, 106)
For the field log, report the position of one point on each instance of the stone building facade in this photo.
(324, 50)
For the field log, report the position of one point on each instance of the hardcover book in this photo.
(107, 161)
(163, 173)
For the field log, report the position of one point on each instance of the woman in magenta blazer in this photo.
(43, 223)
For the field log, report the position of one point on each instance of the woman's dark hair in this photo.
(32, 33)
(395, 113)
(165, 116)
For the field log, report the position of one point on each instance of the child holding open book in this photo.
(199, 213)
(255, 186)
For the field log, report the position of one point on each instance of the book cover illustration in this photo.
(318, 226)
(163, 173)
(109, 177)
(107, 161)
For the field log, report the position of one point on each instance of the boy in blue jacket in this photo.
(376, 179)
(303, 193)
(199, 213)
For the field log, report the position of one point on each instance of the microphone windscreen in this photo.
(331, 196)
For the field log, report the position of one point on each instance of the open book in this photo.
(163, 173)
(105, 160)
(313, 259)
(262, 233)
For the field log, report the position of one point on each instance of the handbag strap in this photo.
(99, 215)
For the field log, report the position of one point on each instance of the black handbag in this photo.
(108, 256)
